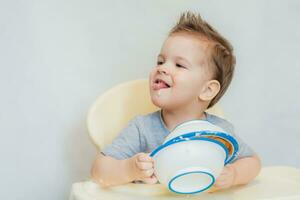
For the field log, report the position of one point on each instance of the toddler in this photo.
(194, 69)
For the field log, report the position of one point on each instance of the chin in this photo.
(158, 102)
(161, 104)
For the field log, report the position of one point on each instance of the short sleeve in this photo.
(126, 144)
(244, 149)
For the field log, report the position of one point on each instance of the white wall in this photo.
(56, 57)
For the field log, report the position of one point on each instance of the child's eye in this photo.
(159, 63)
(178, 65)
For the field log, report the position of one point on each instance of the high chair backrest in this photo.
(110, 113)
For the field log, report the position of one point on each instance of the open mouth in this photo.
(161, 84)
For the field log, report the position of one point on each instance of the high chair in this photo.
(109, 115)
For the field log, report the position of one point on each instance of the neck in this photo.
(172, 118)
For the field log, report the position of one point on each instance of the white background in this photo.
(56, 57)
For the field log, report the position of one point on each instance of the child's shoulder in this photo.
(221, 122)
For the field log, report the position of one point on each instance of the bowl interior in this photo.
(227, 144)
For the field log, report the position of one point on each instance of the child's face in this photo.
(182, 64)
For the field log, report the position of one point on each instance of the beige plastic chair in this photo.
(111, 112)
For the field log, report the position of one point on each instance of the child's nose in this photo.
(163, 69)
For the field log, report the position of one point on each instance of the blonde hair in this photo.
(221, 60)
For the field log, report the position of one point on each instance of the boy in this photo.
(194, 69)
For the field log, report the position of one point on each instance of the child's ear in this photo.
(210, 90)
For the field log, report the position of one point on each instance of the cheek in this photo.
(187, 81)
(189, 86)
(152, 73)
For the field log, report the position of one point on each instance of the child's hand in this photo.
(144, 170)
(225, 180)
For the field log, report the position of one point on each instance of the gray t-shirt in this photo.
(144, 133)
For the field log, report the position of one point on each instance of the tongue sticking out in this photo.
(160, 85)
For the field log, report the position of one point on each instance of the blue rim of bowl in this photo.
(197, 191)
(198, 134)
(222, 135)
(155, 151)
(228, 138)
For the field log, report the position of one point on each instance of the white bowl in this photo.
(190, 165)
(192, 126)
(187, 162)
(200, 128)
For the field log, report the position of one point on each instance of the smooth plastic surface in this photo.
(191, 126)
(273, 183)
(207, 129)
(172, 155)
(193, 153)
(191, 180)
(228, 141)
(200, 126)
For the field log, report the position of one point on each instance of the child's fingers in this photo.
(220, 183)
(145, 158)
(223, 184)
(225, 172)
(144, 165)
(150, 180)
(213, 189)
(221, 179)
(147, 173)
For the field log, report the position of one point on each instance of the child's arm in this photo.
(240, 172)
(108, 171)
(246, 169)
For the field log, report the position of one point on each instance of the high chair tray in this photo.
(273, 183)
